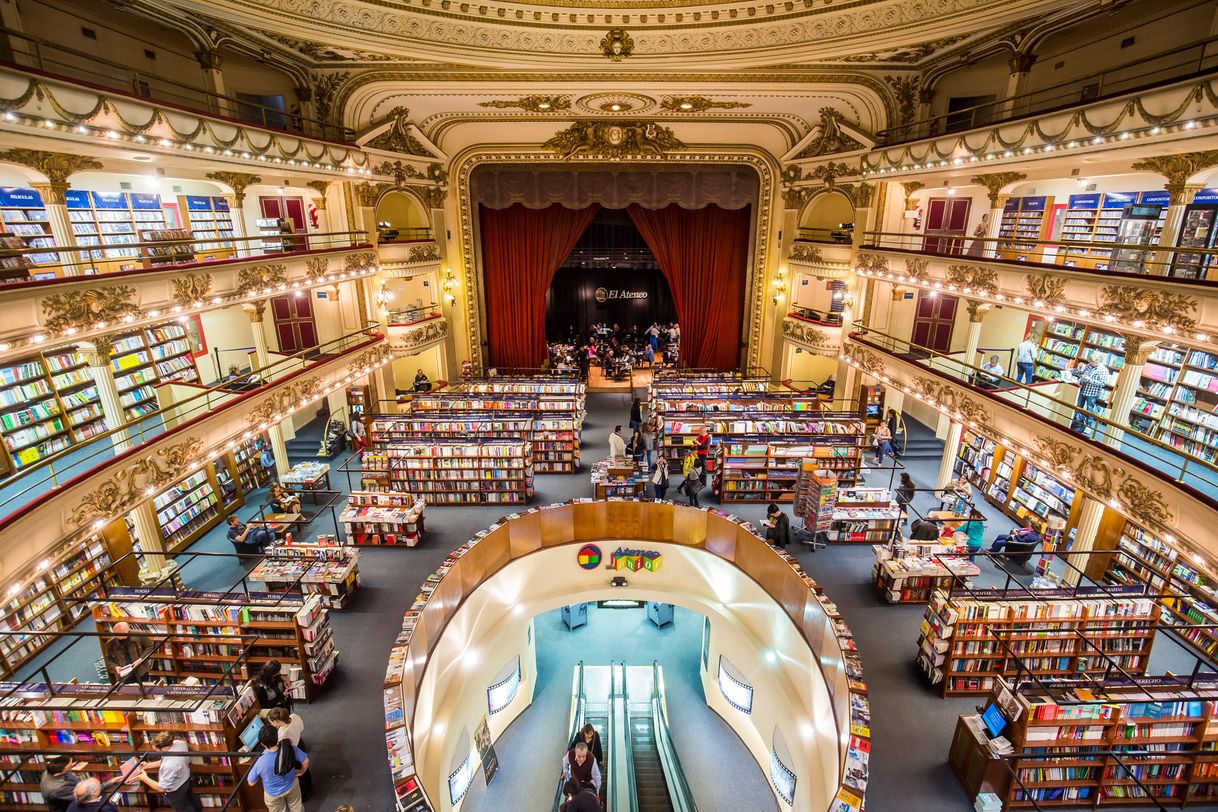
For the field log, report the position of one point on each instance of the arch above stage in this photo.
(760, 601)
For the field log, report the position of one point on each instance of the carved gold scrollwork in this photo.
(427, 333)
(871, 262)
(429, 252)
(1046, 288)
(614, 139)
(802, 252)
(191, 288)
(134, 482)
(1153, 308)
(917, 269)
(359, 263)
(84, 310)
(284, 401)
(973, 278)
(865, 359)
(260, 278)
(239, 181)
(316, 268)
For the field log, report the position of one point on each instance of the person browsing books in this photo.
(617, 444)
(89, 798)
(173, 773)
(778, 526)
(59, 782)
(291, 729)
(127, 656)
(271, 688)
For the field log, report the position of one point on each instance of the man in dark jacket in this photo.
(924, 530)
(579, 765)
(778, 532)
(579, 799)
(127, 656)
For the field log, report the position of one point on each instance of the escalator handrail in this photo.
(579, 707)
(679, 793)
(621, 795)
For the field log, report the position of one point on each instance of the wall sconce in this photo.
(780, 289)
(449, 285)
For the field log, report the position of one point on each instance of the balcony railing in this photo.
(1186, 61)
(391, 234)
(1197, 473)
(61, 62)
(833, 236)
(406, 316)
(34, 482)
(821, 317)
(1104, 258)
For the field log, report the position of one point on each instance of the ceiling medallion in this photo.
(613, 103)
(617, 44)
(697, 104)
(533, 104)
(614, 140)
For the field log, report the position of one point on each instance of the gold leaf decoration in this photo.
(871, 262)
(830, 137)
(917, 269)
(257, 278)
(617, 44)
(133, 481)
(316, 268)
(83, 310)
(614, 139)
(697, 104)
(532, 104)
(284, 400)
(429, 332)
(995, 181)
(971, 278)
(1046, 288)
(191, 288)
(428, 252)
(359, 263)
(237, 180)
(803, 252)
(1156, 309)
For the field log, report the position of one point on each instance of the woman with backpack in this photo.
(694, 482)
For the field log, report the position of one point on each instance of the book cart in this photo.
(321, 567)
(285, 626)
(453, 472)
(1088, 743)
(971, 637)
(383, 518)
(105, 725)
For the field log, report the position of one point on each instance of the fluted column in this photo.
(54, 201)
(97, 355)
(1137, 351)
(255, 312)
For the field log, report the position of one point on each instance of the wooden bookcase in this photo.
(113, 221)
(1020, 489)
(47, 596)
(865, 516)
(454, 472)
(1065, 343)
(143, 358)
(1024, 220)
(958, 651)
(172, 248)
(679, 428)
(1095, 217)
(291, 628)
(77, 718)
(25, 220)
(761, 470)
(1160, 730)
(322, 567)
(375, 518)
(554, 435)
(188, 509)
(211, 222)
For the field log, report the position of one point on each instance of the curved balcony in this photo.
(91, 484)
(415, 330)
(1156, 306)
(73, 307)
(813, 331)
(1167, 491)
(402, 259)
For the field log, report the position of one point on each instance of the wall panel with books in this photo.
(1065, 344)
(1024, 220)
(211, 222)
(1021, 489)
(454, 472)
(1051, 633)
(26, 224)
(143, 358)
(112, 221)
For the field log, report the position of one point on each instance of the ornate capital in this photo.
(1021, 62)
(976, 310)
(367, 194)
(614, 139)
(192, 288)
(238, 181)
(134, 480)
(794, 197)
(96, 352)
(56, 166)
(994, 181)
(319, 186)
(1177, 168)
(863, 194)
(92, 309)
(209, 59)
(261, 278)
(254, 311)
(1138, 349)
(52, 194)
(910, 187)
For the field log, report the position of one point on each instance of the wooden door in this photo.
(294, 325)
(290, 209)
(946, 217)
(933, 322)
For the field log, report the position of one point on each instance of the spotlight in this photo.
(618, 581)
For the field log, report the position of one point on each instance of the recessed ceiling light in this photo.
(686, 106)
(615, 107)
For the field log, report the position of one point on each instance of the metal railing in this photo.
(1186, 61)
(37, 480)
(822, 317)
(159, 255)
(1085, 256)
(679, 793)
(61, 62)
(1176, 464)
(834, 236)
(386, 233)
(579, 705)
(414, 314)
(621, 795)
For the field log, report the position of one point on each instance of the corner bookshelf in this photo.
(189, 508)
(290, 627)
(1024, 220)
(958, 651)
(32, 422)
(1161, 730)
(1187, 584)
(1017, 487)
(141, 359)
(211, 223)
(455, 472)
(76, 717)
(25, 219)
(374, 518)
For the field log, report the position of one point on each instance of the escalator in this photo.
(651, 787)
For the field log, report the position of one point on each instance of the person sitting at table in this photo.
(421, 382)
(248, 536)
(283, 501)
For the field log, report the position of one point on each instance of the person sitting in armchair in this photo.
(1019, 544)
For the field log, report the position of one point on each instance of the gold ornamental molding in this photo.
(238, 181)
(1153, 309)
(285, 400)
(57, 167)
(817, 340)
(698, 104)
(321, 187)
(1177, 168)
(868, 261)
(970, 278)
(316, 268)
(614, 140)
(429, 252)
(994, 183)
(92, 309)
(756, 300)
(917, 269)
(617, 44)
(192, 289)
(1046, 288)
(136, 481)
(264, 278)
(409, 342)
(802, 252)
(359, 263)
(367, 194)
(531, 104)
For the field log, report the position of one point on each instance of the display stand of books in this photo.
(618, 479)
(760, 471)
(867, 515)
(815, 497)
(904, 574)
(320, 567)
(1120, 742)
(290, 627)
(84, 719)
(969, 639)
(169, 246)
(377, 518)
(454, 472)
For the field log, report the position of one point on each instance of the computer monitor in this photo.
(995, 721)
(249, 736)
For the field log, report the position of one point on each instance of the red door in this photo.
(294, 326)
(290, 209)
(946, 216)
(933, 322)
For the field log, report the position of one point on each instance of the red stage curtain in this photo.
(521, 250)
(704, 255)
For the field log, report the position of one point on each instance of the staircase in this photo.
(921, 442)
(307, 440)
(649, 780)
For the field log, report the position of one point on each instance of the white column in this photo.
(997, 204)
(53, 201)
(1084, 538)
(255, 312)
(1017, 84)
(244, 248)
(976, 314)
(148, 531)
(1137, 351)
(211, 62)
(97, 356)
(951, 448)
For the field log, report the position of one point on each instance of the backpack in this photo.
(687, 464)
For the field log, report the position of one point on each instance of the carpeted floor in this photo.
(911, 725)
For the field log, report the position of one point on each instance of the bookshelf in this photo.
(1187, 585)
(976, 457)
(76, 717)
(211, 222)
(321, 567)
(554, 435)
(172, 247)
(141, 359)
(25, 219)
(1020, 489)
(112, 221)
(32, 422)
(375, 518)
(755, 470)
(249, 472)
(1065, 343)
(188, 509)
(815, 496)
(272, 236)
(454, 472)
(1098, 217)
(958, 650)
(289, 627)
(44, 596)
(902, 575)
(679, 429)
(1024, 220)
(1161, 730)
(865, 515)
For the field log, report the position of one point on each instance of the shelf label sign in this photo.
(18, 196)
(76, 199)
(624, 558)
